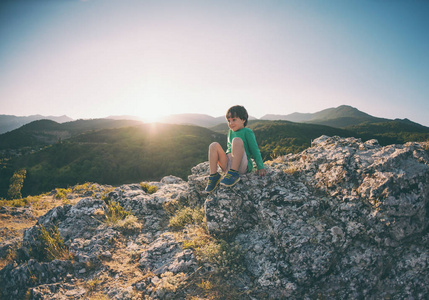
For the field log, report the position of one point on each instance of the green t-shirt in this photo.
(250, 146)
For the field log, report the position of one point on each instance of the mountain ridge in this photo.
(11, 122)
(45, 132)
(341, 116)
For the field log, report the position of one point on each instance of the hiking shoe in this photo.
(231, 178)
(213, 182)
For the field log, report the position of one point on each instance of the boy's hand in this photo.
(262, 172)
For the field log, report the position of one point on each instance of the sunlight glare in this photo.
(151, 100)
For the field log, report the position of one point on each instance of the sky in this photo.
(98, 58)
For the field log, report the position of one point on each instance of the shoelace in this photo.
(228, 175)
(211, 180)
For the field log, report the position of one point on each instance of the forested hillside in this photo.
(148, 152)
(44, 132)
(392, 132)
(113, 156)
(278, 138)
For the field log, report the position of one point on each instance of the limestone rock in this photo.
(339, 219)
(344, 219)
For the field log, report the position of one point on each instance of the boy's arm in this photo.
(254, 150)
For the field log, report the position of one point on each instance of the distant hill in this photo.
(45, 132)
(192, 119)
(10, 122)
(294, 117)
(339, 117)
(125, 117)
(196, 119)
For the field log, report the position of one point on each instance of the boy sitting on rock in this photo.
(242, 147)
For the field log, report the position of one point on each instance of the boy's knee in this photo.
(237, 141)
(214, 145)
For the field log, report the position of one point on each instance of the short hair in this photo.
(237, 111)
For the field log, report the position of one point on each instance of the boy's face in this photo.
(235, 123)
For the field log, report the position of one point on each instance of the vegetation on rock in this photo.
(51, 246)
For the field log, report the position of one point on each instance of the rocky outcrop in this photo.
(343, 219)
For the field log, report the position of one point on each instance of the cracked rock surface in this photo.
(344, 219)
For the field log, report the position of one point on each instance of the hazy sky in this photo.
(95, 58)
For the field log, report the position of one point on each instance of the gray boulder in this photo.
(344, 219)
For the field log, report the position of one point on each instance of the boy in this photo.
(242, 147)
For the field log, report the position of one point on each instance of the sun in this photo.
(154, 111)
(150, 108)
(152, 118)
(152, 100)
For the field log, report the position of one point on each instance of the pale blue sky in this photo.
(95, 58)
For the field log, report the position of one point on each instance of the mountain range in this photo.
(106, 150)
(339, 117)
(10, 122)
(356, 123)
(45, 132)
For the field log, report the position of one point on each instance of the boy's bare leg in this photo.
(216, 156)
(237, 152)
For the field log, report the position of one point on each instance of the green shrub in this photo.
(290, 169)
(51, 246)
(216, 287)
(227, 259)
(105, 195)
(91, 285)
(115, 212)
(150, 189)
(35, 201)
(16, 183)
(196, 237)
(220, 262)
(81, 188)
(205, 285)
(62, 193)
(86, 187)
(223, 257)
(14, 203)
(11, 254)
(129, 225)
(187, 216)
(170, 282)
(171, 206)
